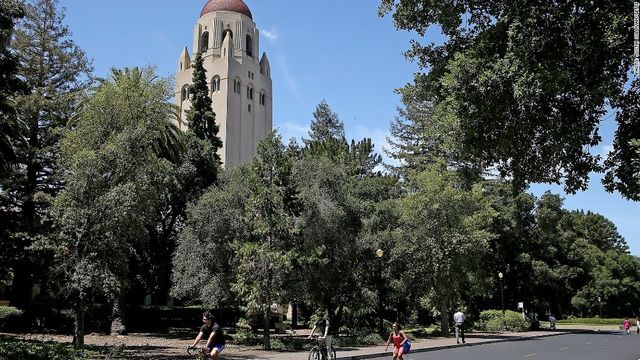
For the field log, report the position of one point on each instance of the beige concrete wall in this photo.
(240, 128)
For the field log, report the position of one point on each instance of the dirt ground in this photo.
(139, 346)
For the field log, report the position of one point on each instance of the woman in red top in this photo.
(398, 338)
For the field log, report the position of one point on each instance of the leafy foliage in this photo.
(113, 176)
(495, 321)
(325, 124)
(6, 311)
(19, 350)
(55, 72)
(10, 84)
(526, 82)
(264, 256)
(204, 261)
(442, 229)
(201, 118)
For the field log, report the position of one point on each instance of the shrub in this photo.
(492, 321)
(358, 339)
(592, 321)
(11, 349)
(6, 311)
(290, 343)
(244, 334)
(423, 332)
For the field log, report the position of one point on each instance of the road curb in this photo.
(452, 346)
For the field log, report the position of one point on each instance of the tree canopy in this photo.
(528, 83)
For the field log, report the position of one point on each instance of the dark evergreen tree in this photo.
(201, 118)
(325, 124)
(10, 127)
(57, 72)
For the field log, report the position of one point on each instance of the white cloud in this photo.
(271, 35)
(291, 129)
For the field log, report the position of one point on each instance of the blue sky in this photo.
(337, 50)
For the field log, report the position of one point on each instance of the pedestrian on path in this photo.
(637, 325)
(627, 325)
(398, 338)
(458, 319)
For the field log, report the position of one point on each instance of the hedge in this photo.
(492, 321)
(11, 349)
(593, 321)
(6, 311)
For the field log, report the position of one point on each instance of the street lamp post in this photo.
(379, 254)
(500, 276)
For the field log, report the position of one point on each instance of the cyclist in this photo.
(211, 331)
(325, 330)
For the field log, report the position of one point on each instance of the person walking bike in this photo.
(458, 319)
(325, 330)
(214, 335)
(398, 338)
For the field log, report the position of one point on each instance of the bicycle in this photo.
(319, 351)
(199, 350)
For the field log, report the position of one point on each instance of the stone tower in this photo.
(239, 81)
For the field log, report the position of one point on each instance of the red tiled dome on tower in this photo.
(226, 5)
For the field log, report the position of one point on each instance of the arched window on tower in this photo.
(184, 94)
(263, 98)
(215, 84)
(204, 42)
(250, 92)
(237, 86)
(249, 46)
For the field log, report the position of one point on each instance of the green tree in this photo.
(10, 84)
(528, 82)
(57, 72)
(11, 128)
(331, 268)
(199, 169)
(113, 173)
(623, 164)
(442, 232)
(200, 117)
(325, 124)
(203, 263)
(264, 257)
(426, 132)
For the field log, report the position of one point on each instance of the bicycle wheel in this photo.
(314, 354)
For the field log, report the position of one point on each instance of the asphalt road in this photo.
(596, 346)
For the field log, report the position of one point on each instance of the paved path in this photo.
(418, 346)
(586, 346)
(172, 347)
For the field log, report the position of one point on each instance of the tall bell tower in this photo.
(239, 80)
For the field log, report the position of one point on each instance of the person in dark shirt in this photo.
(211, 331)
(325, 330)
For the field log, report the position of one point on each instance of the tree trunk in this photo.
(444, 318)
(267, 324)
(118, 325)
(22, 285)
(294, 316)
(78, 326)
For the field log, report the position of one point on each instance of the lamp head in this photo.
(379, 253)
